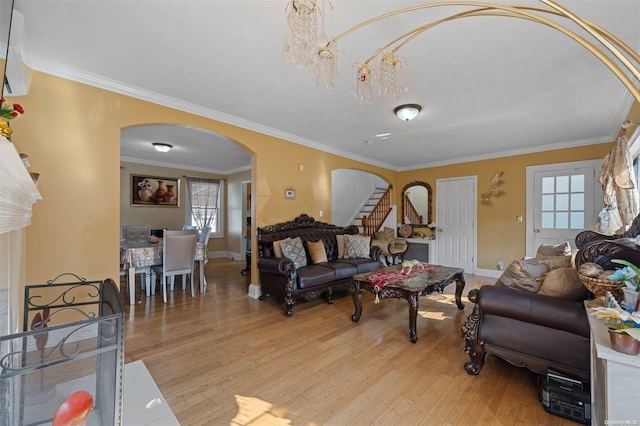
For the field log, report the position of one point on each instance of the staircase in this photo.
(374, 211)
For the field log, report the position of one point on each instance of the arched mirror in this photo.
(416, 204)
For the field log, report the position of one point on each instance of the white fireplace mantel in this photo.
(17, 195)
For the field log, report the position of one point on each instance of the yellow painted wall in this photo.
(500, 237)
(71, 132)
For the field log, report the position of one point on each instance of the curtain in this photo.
(620, 189)
(203, 198)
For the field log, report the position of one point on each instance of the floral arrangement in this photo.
(620, 320)
(10, 112)
(629, 275)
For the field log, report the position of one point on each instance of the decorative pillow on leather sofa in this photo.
(356, 246)
(340, 241)
(294, 250)
(317, 252)
(277, 249)
(563, 249)
(564, 283)
(553, 262)
(524, 275)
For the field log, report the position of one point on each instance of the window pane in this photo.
(562, 202)
(577, 201)
(547, 202)
(577, 183)
(577, 220)
(547, 220)
(548, 185)
(562, 184)
(562, 220)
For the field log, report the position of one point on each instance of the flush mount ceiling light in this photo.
(407, 112)
(162, 147)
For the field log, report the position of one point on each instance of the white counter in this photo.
(615, 379)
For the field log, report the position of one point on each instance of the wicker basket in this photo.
(599, 288)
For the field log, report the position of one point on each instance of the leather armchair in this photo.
(391, 248)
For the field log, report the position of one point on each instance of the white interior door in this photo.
(563, 201)
(456, 218)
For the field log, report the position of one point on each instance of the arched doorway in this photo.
(194, 152)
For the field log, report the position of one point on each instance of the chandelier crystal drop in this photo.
(388, 75)
(390, 69)
(326, 67)
(364, 76)
(301, 42)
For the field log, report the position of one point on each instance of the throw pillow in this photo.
(277, 249)
(563, 249)
(356, 246)
(389, 234)
(340, 244)
(553, 262)
(564, 283)
(524, 275)
(294, 250)
(317, 252)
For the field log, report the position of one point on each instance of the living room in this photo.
(71, 130)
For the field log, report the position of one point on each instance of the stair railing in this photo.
(411, 212)
(374, 220)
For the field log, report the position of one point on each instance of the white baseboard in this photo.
(224, 254)
(492, 273)
(254, 291)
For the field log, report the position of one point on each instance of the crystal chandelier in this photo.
(326, 67)
(324, 58)
(301, 44)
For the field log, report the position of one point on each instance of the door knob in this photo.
(537, 230)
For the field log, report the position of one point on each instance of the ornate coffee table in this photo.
(409, 288)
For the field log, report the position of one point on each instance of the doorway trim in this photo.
(472, 181)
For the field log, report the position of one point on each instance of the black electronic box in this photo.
(565, 396)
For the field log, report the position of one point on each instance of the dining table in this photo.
(144, 254)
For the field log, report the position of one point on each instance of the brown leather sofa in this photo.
(535, 331)
(279, 276)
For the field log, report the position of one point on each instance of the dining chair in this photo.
(138, 233)
(178, 258)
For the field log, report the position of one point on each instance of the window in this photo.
(563, 202)
(205, 204)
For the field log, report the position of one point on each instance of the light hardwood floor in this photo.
(224, 358)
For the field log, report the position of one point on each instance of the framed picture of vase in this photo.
(155, 191)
